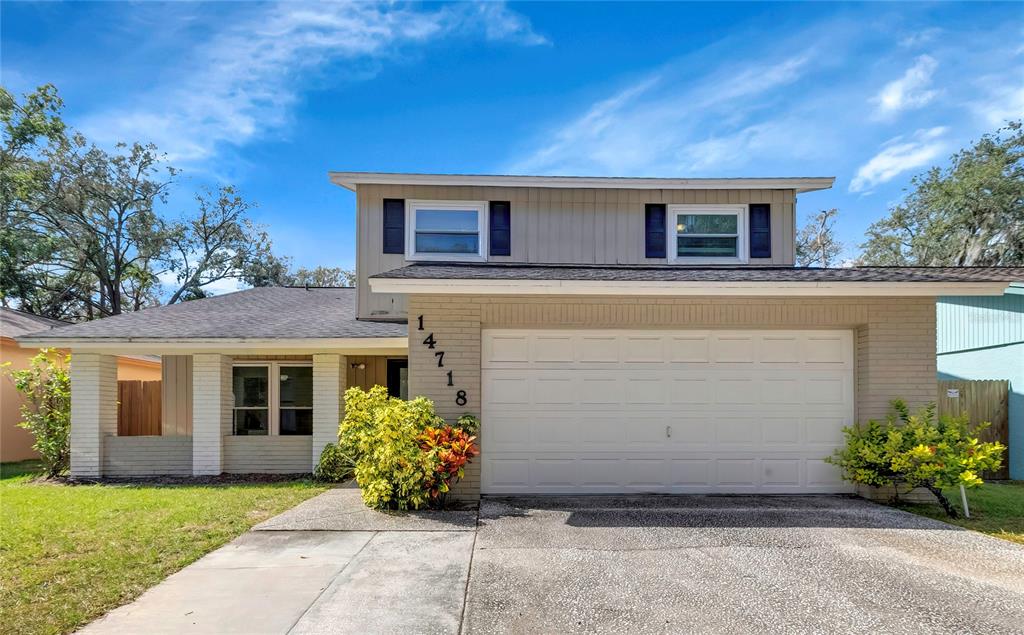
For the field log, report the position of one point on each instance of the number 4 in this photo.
(430, 341)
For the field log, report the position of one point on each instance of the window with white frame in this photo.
(708, 233)
(272, 398)
(446, 230)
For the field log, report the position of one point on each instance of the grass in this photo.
(997, 509)
(69, 554)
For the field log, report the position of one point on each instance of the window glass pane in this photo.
(250, 386)
(294, 422)
(706, 224)
(446, 220)
(251, 422)
(706, 246)
(296, 386)
(433, 243)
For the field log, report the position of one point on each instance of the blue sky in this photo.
(270, 97)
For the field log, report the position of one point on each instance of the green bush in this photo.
(917, 450)
(46, 412)
(334, 465)
(468, 423)
(381, 433)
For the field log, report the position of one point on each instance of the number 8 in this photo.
(460, 398)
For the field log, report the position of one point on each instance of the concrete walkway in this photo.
(328, 565)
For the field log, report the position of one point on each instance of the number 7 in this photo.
(440, 358)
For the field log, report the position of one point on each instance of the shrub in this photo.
(334, 465)
(449, 450)
(918, 450)
(469, 423)
(405, 456)
(46, 412)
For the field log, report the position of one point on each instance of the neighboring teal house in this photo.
(983, 338)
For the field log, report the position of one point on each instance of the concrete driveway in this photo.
(594, 564)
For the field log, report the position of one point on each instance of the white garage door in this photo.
(664, 411)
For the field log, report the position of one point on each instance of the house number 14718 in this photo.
(431, 343)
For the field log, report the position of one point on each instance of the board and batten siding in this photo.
(894, 339)
(968, 323)
(176, 397)
(556, 225)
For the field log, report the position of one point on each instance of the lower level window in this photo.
(273, 398)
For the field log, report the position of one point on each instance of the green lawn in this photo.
(69, 554)
(997, 509)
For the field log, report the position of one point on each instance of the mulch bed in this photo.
(222, 479)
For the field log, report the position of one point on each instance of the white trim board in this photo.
(681, 288)
(350, 180)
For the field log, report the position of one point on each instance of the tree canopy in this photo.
(969, 213)
(85, 231)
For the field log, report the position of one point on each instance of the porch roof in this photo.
(278, 316)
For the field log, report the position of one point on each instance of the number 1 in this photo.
(450, 378)
(420, 319)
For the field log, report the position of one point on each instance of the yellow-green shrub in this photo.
(918, 450)
(381, 433)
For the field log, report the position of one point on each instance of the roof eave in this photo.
(397, 345)
(351, 180)
(680, 288)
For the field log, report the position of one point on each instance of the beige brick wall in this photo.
(895, 338)
(93, 410)
(267, 455)
(147, 456)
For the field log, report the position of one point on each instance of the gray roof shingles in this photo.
(260, 313)
(16, 323)
(461, 271)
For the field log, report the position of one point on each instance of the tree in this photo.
(217, 243)
(970, 213)
(816, 244)
(27, 126)
(322, 277)
(100, 211)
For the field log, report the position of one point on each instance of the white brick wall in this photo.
(93, 410)
(211, 412)
(329, 372)
(895, 339)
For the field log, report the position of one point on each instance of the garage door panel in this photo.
(664, 411)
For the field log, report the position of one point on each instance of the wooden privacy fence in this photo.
(138, 408)
(983, 400)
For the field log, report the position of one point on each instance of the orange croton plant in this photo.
(451, 448)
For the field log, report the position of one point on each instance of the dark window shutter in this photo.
(394, 226)
(500, 229)
(760, 230)
(654, 230)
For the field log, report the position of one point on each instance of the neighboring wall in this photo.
(895, 339)
(550, 225)
(15, 443)
(983, 338)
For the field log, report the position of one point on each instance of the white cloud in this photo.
(245, 80)
(918, 38)
(671, 121)
(898, 156)
(1000, 101)
(912, 90)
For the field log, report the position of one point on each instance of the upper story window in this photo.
(446, 230)
(708, 234)
(272, 398)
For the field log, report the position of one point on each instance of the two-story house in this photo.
(613, 335)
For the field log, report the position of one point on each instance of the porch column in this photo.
(93, 411)
(329, 375)
(212, 401)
